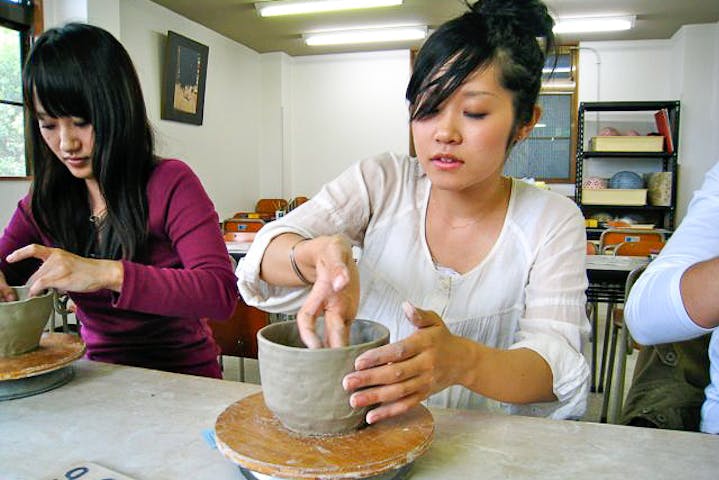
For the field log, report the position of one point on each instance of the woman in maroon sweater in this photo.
(133, 239)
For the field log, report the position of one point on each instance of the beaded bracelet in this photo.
(293, 263)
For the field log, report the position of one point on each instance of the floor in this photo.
(594, 404)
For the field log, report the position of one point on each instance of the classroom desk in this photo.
(148, 425)
(607, 276)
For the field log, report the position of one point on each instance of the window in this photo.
(16, 27)
(548, 153)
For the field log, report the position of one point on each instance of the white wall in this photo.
(696, 60)
(624, 71)
(224, 150)
(275, 137)
(345, 108)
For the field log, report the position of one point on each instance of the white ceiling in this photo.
(237, 19)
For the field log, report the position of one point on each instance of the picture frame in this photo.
(184, 78)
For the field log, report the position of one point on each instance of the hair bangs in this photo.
(444, 62)
(444, 80)
(60, 94)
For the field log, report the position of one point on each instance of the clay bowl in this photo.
(22, 322)
(303, 387)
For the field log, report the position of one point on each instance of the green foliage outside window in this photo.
(12, 137)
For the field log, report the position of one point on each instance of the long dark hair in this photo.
(83, 71)
(500, 31)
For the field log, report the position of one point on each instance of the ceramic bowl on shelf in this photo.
(626, 180)
(23, 321)
(594, 183)
(609, 132)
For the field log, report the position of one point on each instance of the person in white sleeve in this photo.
(677, 296)
(480, 278)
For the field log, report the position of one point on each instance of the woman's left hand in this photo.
(68, 272)
(402, 374)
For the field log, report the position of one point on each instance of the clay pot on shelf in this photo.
(660, 188)
(303, 387)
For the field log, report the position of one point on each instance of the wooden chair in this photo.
(270, 205)
(626, 348)
(609, 241)
(237, 336)
(612, 237)
(242, 225)
(296, 202)
(642, 248)
(591, 248)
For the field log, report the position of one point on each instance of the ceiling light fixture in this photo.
(594, 24)
(367, 35)
(296, 7)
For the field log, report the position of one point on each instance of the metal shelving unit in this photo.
(663, 216)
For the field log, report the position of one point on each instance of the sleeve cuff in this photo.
(570, 370)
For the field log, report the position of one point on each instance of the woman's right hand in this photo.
(6, 293)
(334, 294)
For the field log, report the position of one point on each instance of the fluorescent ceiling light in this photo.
(557, 70)
(593, 24)
(296, 7)
(368, 35)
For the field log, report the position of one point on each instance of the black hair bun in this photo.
(515, 17)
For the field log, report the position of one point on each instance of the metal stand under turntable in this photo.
(249, 435)
(47, 367)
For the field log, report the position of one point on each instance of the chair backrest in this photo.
(237, 336)
(296, 202)
(242, 225)
(642, 248)
(591, 248)
(614, 236)
(270, 205)
(632, 278)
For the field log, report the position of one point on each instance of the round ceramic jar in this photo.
(303, 387)
(626, 180)
(594, 183)
(22, 322)
(660, 188)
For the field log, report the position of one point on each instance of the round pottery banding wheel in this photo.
(56, 350)
(249, 435)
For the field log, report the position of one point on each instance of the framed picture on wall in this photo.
(183, 89)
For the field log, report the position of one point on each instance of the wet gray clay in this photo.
(22, 322)
(303, 387)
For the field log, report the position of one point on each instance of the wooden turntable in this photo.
(249, 435)
(42, 369)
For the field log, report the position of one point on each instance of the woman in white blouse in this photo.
(480, 278)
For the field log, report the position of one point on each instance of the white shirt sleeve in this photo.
(655, 311)
(341, 206)
(554, 324)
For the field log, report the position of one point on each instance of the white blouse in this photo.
(528, 292)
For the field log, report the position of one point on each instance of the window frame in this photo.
(555, 86)
(26, 18)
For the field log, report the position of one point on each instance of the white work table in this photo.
(148, 425)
